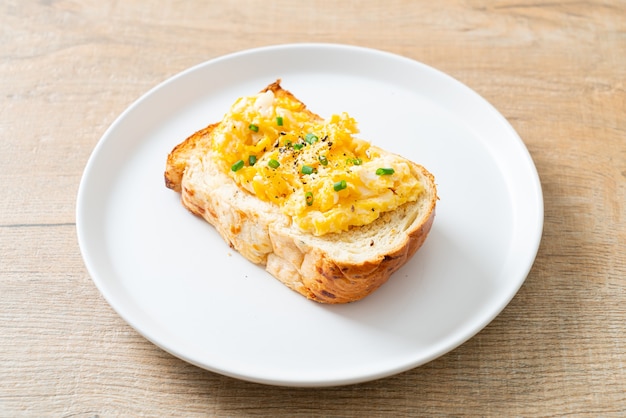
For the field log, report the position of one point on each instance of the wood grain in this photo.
(556, 70)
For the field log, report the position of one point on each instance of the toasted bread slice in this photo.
(337, 267)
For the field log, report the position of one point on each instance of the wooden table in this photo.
(556, 71)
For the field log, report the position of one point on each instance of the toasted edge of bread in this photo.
(332, 268)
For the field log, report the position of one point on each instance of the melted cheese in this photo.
(264, 142)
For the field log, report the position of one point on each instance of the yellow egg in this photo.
(317, 171)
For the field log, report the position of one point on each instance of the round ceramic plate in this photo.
(172, 278)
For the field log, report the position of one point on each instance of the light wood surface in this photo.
(555, 70)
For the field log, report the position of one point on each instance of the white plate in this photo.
(174, 280)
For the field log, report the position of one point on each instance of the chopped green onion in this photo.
(237, 166)
(254, 127)
(307, 169)
(323, 160)
(288, 143)
(252, 160)
(279, 120)
(340, 185)
(385, 171)
(298, 147)
(311, 138)
(273, 163)
(357, 161)
(309, 198)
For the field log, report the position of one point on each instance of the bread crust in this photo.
(324, 269)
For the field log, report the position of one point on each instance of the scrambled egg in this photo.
(315, 170)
